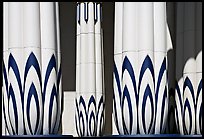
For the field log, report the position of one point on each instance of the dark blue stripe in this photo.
(117, 81)
(145, 65)
(12, 95)
(101, 123)
(200, 117)
(7, 94)
(6, 124)
(147, 93)
(199, 90)
(179, 95)
(33, 92)
(32, 61)
(127, 96)
(81, 101)
(91, 100)
(100, 104)
(77, 116)
(86, 13)
(53, 94)
(59, 76)
(187, 105)
(128, 66)
(92, 118)
(83, 126)
(119, 92)
(187, 83)
(51, 65)
(161, 73)
(95, 12)
(78, 10)
(5, 78)
(12, 64)
(115, 114)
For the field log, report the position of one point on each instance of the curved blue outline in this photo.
(187, 105)
(33, 92)
(146, 94)
(126, 95)
(53, 94)
(12, 95)
(50, 66)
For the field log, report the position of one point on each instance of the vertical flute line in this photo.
(118, 64)
(59, 73)
(160, 66)
(129, 67)
(78, 50)
(32, 55)
(98, 49)
(146, 106)
(5, 61)
(15, 65)
(48, 60)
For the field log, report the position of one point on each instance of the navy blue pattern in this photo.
(192, 108)
(33, 92)
(86, 12)
(31, 62)
(147, 64)
(89, 116)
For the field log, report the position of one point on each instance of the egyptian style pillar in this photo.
(31, 76)
(188, 91)
(89, 114)
(140, 99)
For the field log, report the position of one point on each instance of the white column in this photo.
(89, 71)
(49, 66)
(146, 106)
(32, 80)
(160, 66)
(15, 67)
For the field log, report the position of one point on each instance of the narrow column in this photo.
(33, 109)
(89, 114)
